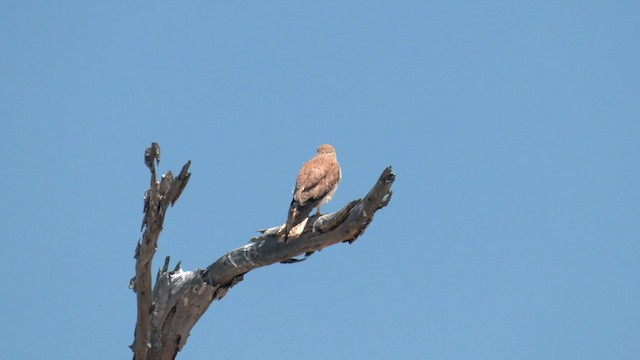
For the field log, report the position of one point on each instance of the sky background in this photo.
(513, 128)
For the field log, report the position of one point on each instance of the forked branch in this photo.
(180, 298)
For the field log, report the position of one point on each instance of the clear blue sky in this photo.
(514, 130)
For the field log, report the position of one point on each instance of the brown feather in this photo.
(316, 183)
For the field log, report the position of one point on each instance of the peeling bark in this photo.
(167, 314)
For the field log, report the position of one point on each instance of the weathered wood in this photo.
(179, 298)
(157, 199)
(345, 225)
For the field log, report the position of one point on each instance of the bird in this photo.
(316, 183)
(152, 153)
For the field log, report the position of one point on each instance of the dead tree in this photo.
(168, 312)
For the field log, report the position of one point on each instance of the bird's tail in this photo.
(297, 214)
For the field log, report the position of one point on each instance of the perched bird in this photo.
(152, 153)
(317, 182)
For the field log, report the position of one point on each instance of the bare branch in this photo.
(345, 225)
(180, 298)
(157, 199)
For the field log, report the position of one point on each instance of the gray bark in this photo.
(167, 314)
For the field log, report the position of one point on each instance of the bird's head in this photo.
(326, 149)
